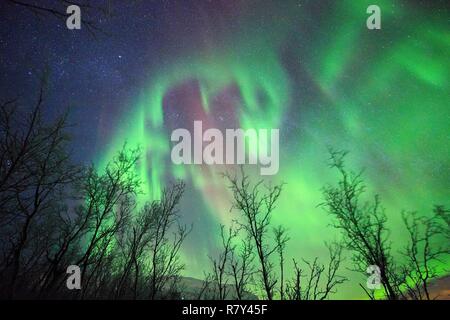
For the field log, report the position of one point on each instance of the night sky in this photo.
(310, 68)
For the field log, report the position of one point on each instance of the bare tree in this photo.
(133, 244)
(220, 263)
(281, 239)
(206, 290)
(442, 217)
(319, 280)
(256, 209)
(109, 199)
(294, 287)
(422, 253)
(68, 230)
(111, 238)
(366, 235)
(44, 229)
(54, 214)
(363, 225)
(163, 250)
(242, 267)
(35, 171)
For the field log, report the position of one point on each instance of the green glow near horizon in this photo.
(390, 110)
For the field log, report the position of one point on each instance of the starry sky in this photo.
(310, 68)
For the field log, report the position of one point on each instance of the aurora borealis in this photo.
(309, 68)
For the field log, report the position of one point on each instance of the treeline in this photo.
(54, 214)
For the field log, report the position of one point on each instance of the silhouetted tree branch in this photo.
(220, 264)
(165, 265)
(256, 209)
(363, 225)
(57, 9)
(35, 172)
(422, 253)
(281, 239)
(241, 266)
(320, 280)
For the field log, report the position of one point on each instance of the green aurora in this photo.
(326, 81)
